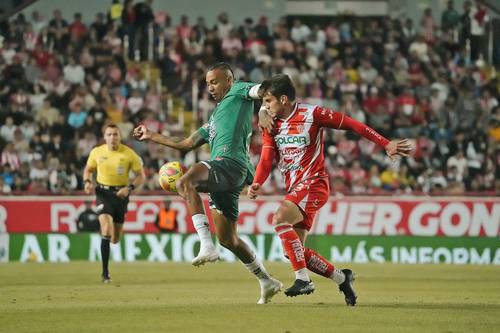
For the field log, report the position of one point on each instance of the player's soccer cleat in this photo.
(106, 279)
(204, 256)
(347, 289)
(269, 288)
(300, 287)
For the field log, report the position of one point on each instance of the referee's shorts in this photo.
(109, 203)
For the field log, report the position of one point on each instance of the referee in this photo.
(113, 162)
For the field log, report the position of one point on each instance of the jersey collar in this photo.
(291, 114)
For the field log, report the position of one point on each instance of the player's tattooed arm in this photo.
(194, 141)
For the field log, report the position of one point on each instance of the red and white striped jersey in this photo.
(298, 141)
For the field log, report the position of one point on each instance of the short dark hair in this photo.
(111, 126)
(277, 86)
(223, 66)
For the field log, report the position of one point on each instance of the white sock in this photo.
(301, 274)
(200, 222)
(258, 269)
(338, 276)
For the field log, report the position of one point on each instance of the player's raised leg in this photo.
(228, 237)
(287, 215)
(187, 187)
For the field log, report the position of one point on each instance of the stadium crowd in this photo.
(63, 80)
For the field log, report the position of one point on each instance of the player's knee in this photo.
(185, 185)
(105, 231)
(115, 240)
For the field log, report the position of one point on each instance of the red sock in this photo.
(291, 245)
(317, 264)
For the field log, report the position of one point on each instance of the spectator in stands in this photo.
(7, 130)
(428, 25)
(231, 44)
(357, 178)
(77, 30)
(62, 180)
(409, 31)
(99, 26)
(128, 18)
(380, 81)
(115, 11)
(15, 72)
(450, 18)
(479, 19)
(76, 118)
(366, 71)
(223, 26)
(73, 72)
(459, 162)
(184, 29)
(4, 187)
(4, 24)
(10, 157)
(135, 102)
(58, 31)
(143, 17)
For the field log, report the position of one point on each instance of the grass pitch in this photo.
(173, 297)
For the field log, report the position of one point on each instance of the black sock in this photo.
(105, 254)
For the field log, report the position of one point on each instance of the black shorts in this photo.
(108, 203)
(226, 179)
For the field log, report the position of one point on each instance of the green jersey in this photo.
(229, 128)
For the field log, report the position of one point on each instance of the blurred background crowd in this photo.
(64, 78)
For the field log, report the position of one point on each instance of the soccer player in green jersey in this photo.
(228, 132)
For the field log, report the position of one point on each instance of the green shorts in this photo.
(226, 179)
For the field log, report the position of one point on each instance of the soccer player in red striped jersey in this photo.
(297, 143)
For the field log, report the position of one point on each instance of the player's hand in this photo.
(123, 192)
(88, 187)
(398, 147)
(266, 122)
(253, 190)
(142, 133)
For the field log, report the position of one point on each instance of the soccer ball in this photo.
(169, 174)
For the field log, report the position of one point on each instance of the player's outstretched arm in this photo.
(398, 147)
(337, 120)
(194, 141)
